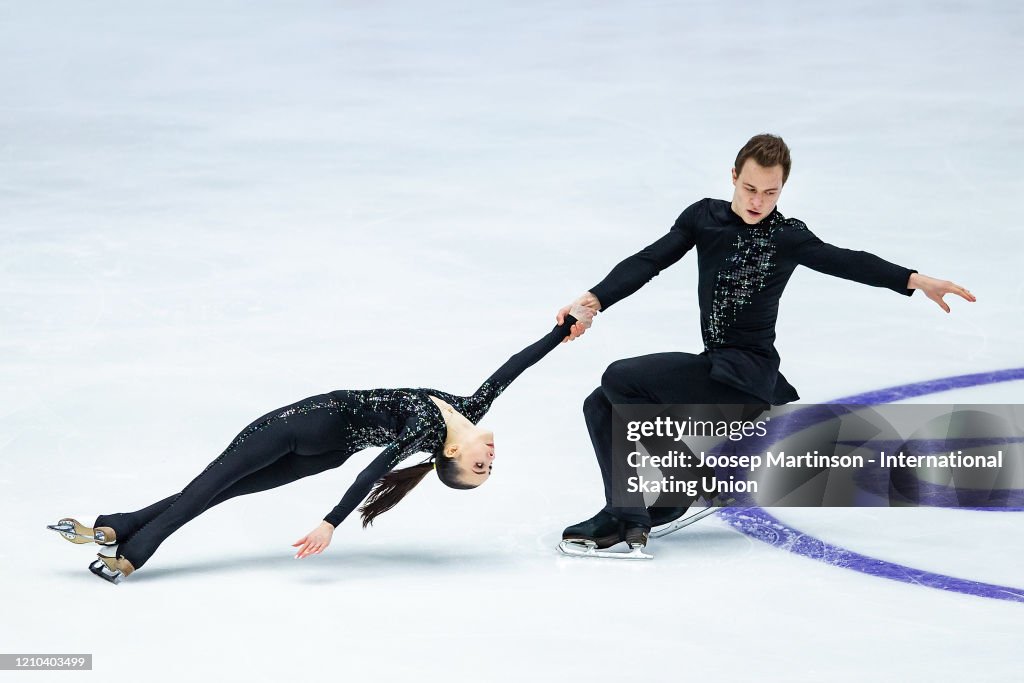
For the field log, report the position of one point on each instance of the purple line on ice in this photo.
(759, 524)
(932, 386)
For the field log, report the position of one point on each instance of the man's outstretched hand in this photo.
(935, 289)
(583, 309)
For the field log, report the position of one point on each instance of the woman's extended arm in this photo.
(408, 442)
(317, 540)
(475, 406)
(515, 365)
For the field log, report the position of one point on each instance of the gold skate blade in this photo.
(73, 530)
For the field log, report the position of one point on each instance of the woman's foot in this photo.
(111, 568)
(76, 532)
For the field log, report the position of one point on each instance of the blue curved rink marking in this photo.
(759, 524)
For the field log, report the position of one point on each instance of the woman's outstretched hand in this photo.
(935, 289)
(315, 541)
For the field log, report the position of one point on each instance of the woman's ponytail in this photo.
(391, 488)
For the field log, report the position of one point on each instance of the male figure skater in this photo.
(746, 252)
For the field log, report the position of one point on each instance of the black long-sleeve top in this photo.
(406, 421)
(743, 270)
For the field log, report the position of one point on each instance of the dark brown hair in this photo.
(393, 486)
(767, 150)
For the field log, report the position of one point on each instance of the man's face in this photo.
(757, 190)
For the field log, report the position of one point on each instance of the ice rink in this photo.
(211, 209)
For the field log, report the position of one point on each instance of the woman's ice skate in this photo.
(76, 532)
(111, 568)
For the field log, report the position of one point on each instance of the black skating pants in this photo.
(672, 377)
(287, 444)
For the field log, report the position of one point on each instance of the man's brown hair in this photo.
(767, 150)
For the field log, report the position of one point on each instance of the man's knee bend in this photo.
(596, 402)
(615, 374)
(619, 379)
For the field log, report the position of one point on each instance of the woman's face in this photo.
(474, 458)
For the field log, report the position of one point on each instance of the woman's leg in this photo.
(311, 425)
(289, 468)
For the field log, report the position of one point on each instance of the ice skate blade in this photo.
(101, 570)
(671, 527)
(590, 549)
(76, 532)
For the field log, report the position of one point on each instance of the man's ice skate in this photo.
(76, 532)
(604, 530)
(111, 568)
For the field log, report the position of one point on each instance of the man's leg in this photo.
(605, 529)
(661, 378)
(609, 526)
(600, 418)
(670, 378)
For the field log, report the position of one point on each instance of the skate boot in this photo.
(76, 532)
(111, 568)
(603, 530)
(635, 534)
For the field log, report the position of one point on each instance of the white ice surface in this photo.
(209, 209)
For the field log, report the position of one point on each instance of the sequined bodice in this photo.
(379, 417)
(406, 421)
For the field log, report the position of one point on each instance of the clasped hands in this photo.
(583, 309)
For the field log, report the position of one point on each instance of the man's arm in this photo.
(868, 269)
(632, 273)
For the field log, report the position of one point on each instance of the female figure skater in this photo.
(320, 433)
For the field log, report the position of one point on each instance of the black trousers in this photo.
(287, 444)
(672, 377)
